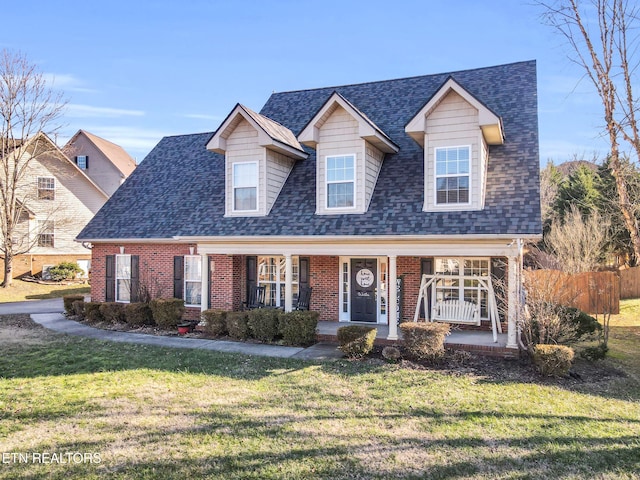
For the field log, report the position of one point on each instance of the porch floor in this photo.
(470, 340)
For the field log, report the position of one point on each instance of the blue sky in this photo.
(134, 72)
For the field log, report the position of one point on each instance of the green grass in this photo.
(20, 291)
(169, 413)
(624, 337)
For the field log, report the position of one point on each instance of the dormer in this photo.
(259, 155)
(350, 149)
(455, 130)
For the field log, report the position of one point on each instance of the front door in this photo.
(363, 289)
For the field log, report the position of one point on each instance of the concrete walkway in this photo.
(51, 305)
(59, 323)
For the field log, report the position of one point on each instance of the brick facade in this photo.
(28, 264)
(324, 278)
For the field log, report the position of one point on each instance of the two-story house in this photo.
(344, 189)
(104, 162)
(59, 200)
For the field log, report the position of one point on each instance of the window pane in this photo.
(192, 293)
(245, 198)
(340, 195)
(123, 266)
(245, 174)
(123, 290)
(193, 268)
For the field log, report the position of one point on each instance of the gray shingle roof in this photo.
(179, 188)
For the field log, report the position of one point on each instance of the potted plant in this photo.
(184, 328)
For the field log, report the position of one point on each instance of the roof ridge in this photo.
(402, 78)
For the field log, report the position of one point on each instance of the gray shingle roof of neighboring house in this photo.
(178, 190)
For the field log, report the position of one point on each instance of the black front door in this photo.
(363, 289)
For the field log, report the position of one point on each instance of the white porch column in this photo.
(512, 298)
(392, 294)
(288, 283)
(204, 293)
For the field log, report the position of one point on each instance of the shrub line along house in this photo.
(344, 190)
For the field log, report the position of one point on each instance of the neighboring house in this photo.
(106, 163)
(59, 201)
(345, 190)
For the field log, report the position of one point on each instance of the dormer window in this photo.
(452, 175)
(245, 187)
(341, 181)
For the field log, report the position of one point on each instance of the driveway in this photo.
(51, 305)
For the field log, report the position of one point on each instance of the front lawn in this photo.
(20, 291)
(168, 413)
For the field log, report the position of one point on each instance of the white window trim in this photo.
(41, 224)
(78, 157)
(122, 278)
(51, 189)
(327, 182)
(198, 258)
(456, 205)
(461, 287)
(233, 187)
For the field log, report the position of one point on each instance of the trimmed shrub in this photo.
(167, 312)
(64, 271)
(112, 312)
(68, 300)
(599, 352)
(298, 327)
(583, 323)
(92, 312)
(356, 341)
(237, 325)
(391, 354)
(215, 322)
(424, 341)
(263, 323)
(138, 314)
(553, 360)
(78, 309)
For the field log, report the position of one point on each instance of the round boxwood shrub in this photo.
(112, 312)
(215, 322)
(237, 325)
(138, 314)
(424, 341)
(356, 341)
(263, 323)
(64, 271)
(167, 312)
(68, 300)
(391, 354)
(92, 312)
(553, 360)
(298, 327)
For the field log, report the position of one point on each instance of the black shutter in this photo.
(303, 273)
(76, 160)
(135, 278)
(426, 268)
(86, 162)
(110, 274)
(500, 282)
(178, 277)
(252, 273)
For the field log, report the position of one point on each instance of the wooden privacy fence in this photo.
(591, 292)
(630, 283)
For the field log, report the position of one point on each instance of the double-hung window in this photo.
(82, 162)
(123, 278)
(271, 275)
(341, 181)
(452, 175)
(46, 233)
(192, 280)
(455, 286)
(46, 188)
(245, 187)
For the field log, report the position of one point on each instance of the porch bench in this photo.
(456, 311)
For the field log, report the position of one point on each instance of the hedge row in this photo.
(264, 324)
(164, 312)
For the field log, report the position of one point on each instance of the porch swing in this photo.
(457, 310)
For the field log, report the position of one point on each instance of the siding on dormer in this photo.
(278, 168)
(454, 122)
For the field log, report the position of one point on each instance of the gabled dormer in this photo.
(455, 129)
(259, 155)
(350, 149)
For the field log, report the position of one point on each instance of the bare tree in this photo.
(29, 111)
(607, 55)
(578, 243)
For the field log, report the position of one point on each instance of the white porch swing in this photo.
(460, 310)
